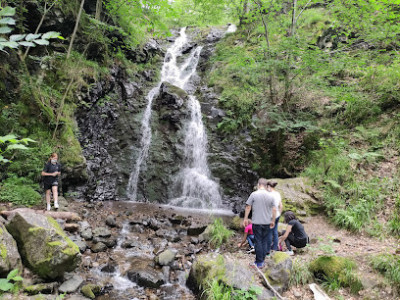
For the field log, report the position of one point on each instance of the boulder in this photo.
(43, 245)
(41, 288)
(196, 229)
(98, 247)
(9, 256)
(227, 269)
(143, 273)
(91, 290)
(102, 232)
(278, 270)
(111, 221)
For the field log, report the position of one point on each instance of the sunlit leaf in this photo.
(42, 42)
(16, 146)
(17, 37)
(7, 21)
(5, 29)
(31, 37)
(7, 11)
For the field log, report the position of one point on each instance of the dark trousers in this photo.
(291, 240)
(275, 238)
(263, 237)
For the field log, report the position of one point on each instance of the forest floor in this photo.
(326, 239)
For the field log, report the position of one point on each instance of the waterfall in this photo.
(198, 190)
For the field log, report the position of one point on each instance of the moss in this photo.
(236, 223)
(3, 252)
(90, 290)
(74, 249)
(279, 257)
(337, 268)
(209, 269)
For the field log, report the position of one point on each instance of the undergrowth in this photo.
(389, 266)
(219, 234)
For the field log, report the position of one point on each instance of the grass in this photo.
(218, 291)
(219, 234)
(389, 266)
(300, 274)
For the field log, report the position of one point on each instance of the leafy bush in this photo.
(218, 291)
(219, 234)
(20, 191)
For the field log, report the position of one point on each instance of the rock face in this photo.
(232, 272)
(9, 256)
(43, 245)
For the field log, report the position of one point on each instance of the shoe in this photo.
(257, 265)
(291, 253)
(251, 250)
(56, 206)
(48, 207)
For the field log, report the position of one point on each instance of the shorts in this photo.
(47, 186)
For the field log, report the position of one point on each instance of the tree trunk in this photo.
(99, 6)
(78, 18)
(294, 19)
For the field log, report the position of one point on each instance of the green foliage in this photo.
(17, 40)
(219, 234)
(394, 222)
(12, 283)
(389, 266)
(10, 143)
(20, 191)
(218, 291)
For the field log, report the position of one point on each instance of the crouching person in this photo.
(294, 235)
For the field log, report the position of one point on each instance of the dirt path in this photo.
(328, 239)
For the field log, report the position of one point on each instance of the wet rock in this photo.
(43, 245)
(196, 229)
(98, 247)
(130, 244)
(101, 232)
(81, 244)
(137, 228)
(109, 242)
(194, 240)
(71, 285)
(111, 221)
(109, 268)
(9, 255)
(188, 47)
(171, 236)
(143, 273)
(153, 224)
(166, 257)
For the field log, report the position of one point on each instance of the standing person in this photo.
(294, 235)
(50, 173)
(279, 207)
(261, 203)
(249, 236)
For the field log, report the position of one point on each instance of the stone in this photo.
(228, 269)
(166, 257)
(81, 245)
(109, 268)
(111, 221)
(87, 234)
(101, 232)
(194, 240)
(177, 220)
(170, 235)
(297, 294)
(98, 247)
(142, 273)
(43, 245)
(71, 285)
(109, 242)
(9, 255)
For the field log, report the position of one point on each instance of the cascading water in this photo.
(198, 190)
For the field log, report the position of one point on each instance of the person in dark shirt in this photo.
(294, 235)
(50, 173)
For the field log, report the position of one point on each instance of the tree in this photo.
(78, 18)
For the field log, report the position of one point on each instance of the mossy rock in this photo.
(228, 270)
(91, 290)
(9, 256)
(278, 270)
(337, 268)
(43, 245)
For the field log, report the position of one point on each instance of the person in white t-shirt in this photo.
(278, 204)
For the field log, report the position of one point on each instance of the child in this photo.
(249, 236)
(50, 173)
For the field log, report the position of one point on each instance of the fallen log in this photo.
(64, 215)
